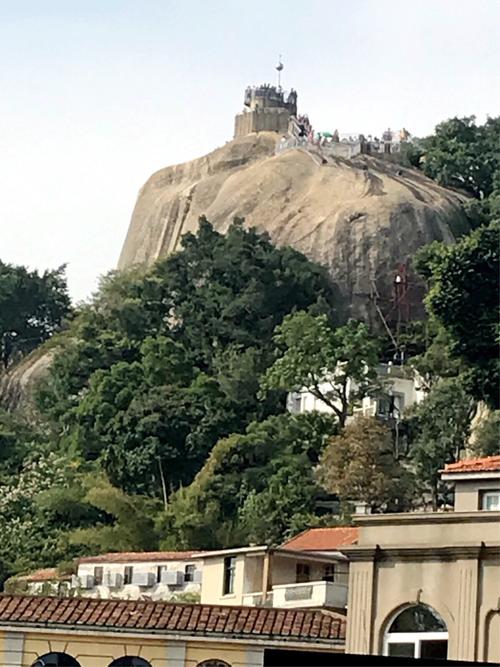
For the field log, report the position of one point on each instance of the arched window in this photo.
(130, 661)
(417, 632)
(213, 663)
(56, 660)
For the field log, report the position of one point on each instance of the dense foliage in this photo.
(32, 308)
(326, 359)
(162, 421)
(464, 297)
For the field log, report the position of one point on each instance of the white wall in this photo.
(410, 389)
(158, 591)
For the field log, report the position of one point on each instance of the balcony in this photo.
(308, 594)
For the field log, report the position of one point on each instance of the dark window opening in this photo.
(128, 573)
(98, 575)
(302, 573)
(189, 573)
(229, 569)
(329, 573)
(56, 660)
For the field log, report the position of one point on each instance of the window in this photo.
(391, 405)
(98, 575)
(56, 660)
(490, 500)
(302, 573)
(329, 573)
(159, 571)
(128, 573)
(130, 661)
(417, 632)
(229, 568)
(189, 573)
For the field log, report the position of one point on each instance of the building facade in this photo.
(281, 578)
(159, 575)
(428, 584)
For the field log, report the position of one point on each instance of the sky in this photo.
(96, 95)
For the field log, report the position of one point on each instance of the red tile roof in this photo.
(139, 556)
(323, 539)
(484, 464)
(168, 617)
(46, 574)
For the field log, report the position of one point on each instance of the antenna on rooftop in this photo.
(279, 67)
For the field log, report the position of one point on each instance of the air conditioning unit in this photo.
(197, 576)
(85, 581)
(144, 579)
(114, 580)
(172, 577)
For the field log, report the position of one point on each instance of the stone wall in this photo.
(262, 120)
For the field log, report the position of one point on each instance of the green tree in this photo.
(486, 438)
(325, 360)
(248, 471)
(359, 465)
(32, 307)
(165, 362)
(464, 155)
(439, 433)
(128, 521)
(464, 299)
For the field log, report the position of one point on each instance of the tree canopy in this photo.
(164, 363)
(32, 307)
(359, 465)
(325, 360)
(464, 298)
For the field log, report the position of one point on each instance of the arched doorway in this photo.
(417, 632)
(130, 661)
(213, 663)
(56, 660)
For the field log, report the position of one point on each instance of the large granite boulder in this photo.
(362, 218)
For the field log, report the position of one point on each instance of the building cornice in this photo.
(407, 518)
(423, 552)
(92, 631)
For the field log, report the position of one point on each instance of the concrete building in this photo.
(157, 575)
(282, 578)
(402, 388)
(427, 585)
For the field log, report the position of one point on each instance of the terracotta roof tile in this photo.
(168, 617)
(484, 464)
(140, 556)
(323, 539)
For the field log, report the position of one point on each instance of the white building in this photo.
(402, 388)
(157, 575)
(274, 577)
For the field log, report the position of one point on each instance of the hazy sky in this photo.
(98, 94)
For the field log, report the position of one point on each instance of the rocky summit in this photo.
(363, 218)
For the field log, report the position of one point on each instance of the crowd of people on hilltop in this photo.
(368, 143)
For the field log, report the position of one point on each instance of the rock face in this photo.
(16, 385)
(361, 218)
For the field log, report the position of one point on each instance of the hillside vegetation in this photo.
(161, 420)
